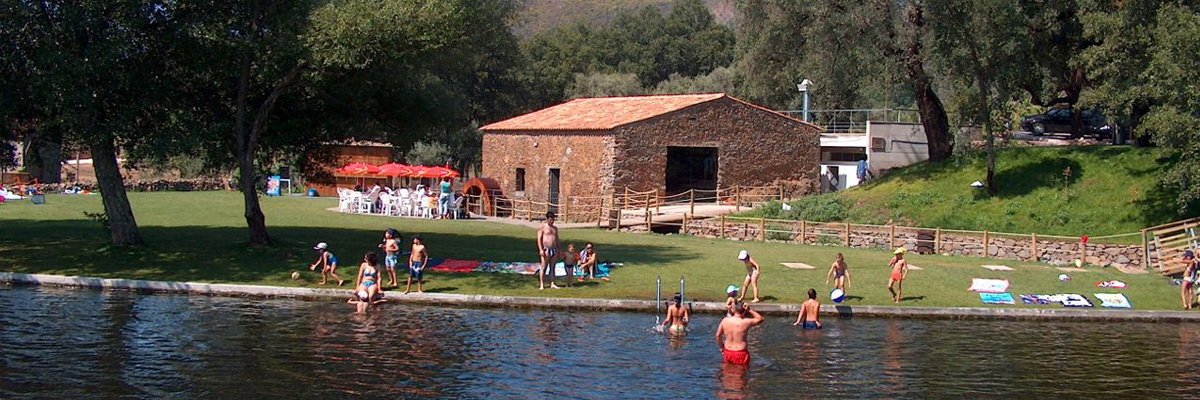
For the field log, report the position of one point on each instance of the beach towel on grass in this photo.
(1112, 284)
(1113, 300)
(1037, 299)
(989, 285)
(996, 298)
(1071, 300)
(602, 269)
(456, 266)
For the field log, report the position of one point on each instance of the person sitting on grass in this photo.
(367, 284)
(588, 263)
(840, 273)
(328, 263)
(809, 311)
(417, 261)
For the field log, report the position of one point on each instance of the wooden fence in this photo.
(624, 205)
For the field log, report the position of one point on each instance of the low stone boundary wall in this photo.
(153, 185)
(777, 310)
(924, 241)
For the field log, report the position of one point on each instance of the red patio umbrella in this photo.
(359, 169)
(393, 169)
(443, 172)
(421, 171)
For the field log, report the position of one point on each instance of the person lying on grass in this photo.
(328, 263)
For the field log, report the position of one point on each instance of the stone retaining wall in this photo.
(1006, 247)
(150, 185)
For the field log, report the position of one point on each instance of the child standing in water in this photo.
(809, 311)
(840, 273)
(328, 263)
(416, 264)
(732, 292)
(391, 246)
(677, 316)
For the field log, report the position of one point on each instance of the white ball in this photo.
(295, 275)
(1063, 277)
(837, 295)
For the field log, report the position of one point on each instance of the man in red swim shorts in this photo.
(731, 335)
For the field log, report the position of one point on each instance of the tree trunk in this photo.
(985, 110)
(122, 225)
(248, 183)
(929, 106)
(42, 153)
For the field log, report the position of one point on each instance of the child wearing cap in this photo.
(1189, 278)
(752, 272)
(732, 292)
(328, 263)
(899, 273)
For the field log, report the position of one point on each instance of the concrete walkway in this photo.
(601, 304)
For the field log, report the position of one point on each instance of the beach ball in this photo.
(295, 275)
(362, 294)
(837, 295)
(1064, 277)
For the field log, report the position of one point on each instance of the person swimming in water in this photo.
(809, 311)
(678, 316)
(731, 334)
(367, 286)
(840, 273)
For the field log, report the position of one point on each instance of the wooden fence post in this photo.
(647, 211)
(847, 234)
(1145, 251)
(803, 231)
(937, 241)
(683, 229)
(892, 237)
(564, 210)
(600, 215)
(495, 202)
(692, 201)
(985, 243)
(781, 194)
(737, 197)
(722, 227)
(657, 203)
(762, 228)
(1033, 246)
(619, 214)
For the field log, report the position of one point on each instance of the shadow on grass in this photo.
(1023, 179)
(220, 254)
(912, 298)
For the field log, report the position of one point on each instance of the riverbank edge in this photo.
(468, 300)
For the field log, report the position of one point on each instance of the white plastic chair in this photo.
(385, 200)
(456, 206)
(364, 204)
(343, 200)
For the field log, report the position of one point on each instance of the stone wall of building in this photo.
(756, 147)
(584, 160)
(999, 247)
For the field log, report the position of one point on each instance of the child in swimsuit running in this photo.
(840, 273)
(677, 316)
(328, 263)
(416, 264)
(809, 311)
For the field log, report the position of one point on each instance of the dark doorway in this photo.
(691, 168)
(553, 199)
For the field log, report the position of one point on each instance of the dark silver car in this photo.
(1059, 120)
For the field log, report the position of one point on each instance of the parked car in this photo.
(1059, 120)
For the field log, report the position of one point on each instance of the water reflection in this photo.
(63, 343)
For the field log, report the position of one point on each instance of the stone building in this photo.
(666, 143)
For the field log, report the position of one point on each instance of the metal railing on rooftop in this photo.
(855, 120)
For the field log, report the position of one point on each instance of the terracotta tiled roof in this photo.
(600, 113)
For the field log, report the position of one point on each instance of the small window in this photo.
(879, 144)
(520, 179)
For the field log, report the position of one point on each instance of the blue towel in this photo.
(996, 298)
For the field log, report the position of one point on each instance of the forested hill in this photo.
(541, 15)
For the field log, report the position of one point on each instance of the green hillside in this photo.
(1098, 190)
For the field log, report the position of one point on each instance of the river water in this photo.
(85, 344)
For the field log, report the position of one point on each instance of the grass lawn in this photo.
(200, 236)
(1108, 190)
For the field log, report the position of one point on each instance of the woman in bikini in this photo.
(367, 286)
(677, 316)
(840, 273)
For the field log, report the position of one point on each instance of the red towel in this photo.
(456, 266)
